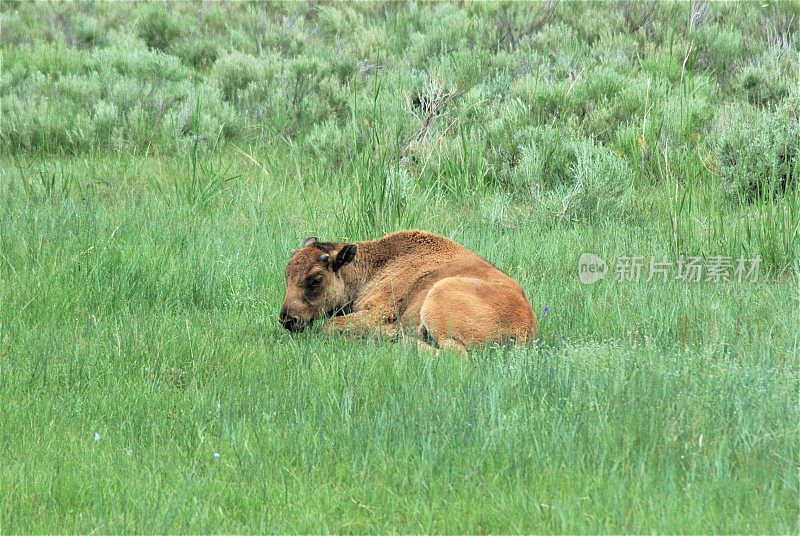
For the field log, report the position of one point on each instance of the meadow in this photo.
(159, 160)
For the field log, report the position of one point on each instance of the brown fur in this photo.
(414, 280)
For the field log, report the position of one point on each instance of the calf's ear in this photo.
(310, 240)
(344, 256)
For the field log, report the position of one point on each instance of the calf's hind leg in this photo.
(460, 312)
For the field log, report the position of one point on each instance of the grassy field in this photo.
(159, 160)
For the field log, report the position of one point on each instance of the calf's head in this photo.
(313, 284)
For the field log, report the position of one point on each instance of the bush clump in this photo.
(756, 150)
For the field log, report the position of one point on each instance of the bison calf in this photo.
(418, 281)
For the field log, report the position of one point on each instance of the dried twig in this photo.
(636, 14)
(432, 102)
(545, 14)
(566, 202)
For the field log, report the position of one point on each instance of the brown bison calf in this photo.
(418, 281)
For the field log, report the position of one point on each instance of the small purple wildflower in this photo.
(544, 313)
(216, 454)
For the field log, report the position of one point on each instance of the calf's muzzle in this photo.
(290, 320)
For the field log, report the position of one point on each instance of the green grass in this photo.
(143, 240)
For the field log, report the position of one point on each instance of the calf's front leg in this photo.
(366, 323)
(362, 324)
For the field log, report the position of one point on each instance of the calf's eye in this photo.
(317, 281)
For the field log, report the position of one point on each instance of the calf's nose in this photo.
(288, 319)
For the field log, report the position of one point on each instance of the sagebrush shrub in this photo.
(160, 26)
(757, 150)
(235, 71)
(645, 83)
(602, 181)
(766, 82)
